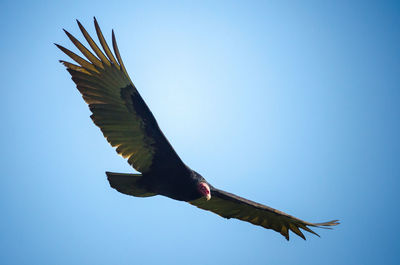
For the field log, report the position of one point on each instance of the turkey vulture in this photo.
(128, 124)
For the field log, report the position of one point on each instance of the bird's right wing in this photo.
(229, 205)
(118, 109)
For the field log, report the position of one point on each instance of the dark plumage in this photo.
(128, 124)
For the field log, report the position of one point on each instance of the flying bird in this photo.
(128, 125)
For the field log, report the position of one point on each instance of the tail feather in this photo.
(128, 184)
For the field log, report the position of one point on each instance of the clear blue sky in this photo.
(291, 104)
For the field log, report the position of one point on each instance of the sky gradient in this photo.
(291, 104)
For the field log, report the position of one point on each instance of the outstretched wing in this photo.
(118, 109)
(229, 205)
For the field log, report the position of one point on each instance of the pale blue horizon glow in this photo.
(291, 104)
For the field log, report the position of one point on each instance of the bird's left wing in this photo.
(229, 205)
(117, 107)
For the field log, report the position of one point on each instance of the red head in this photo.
(204, 190)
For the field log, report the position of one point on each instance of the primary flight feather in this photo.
(128, 124)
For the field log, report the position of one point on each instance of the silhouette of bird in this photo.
(128, 125)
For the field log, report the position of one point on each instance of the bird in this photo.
(128, 125)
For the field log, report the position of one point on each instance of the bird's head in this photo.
(204, 190)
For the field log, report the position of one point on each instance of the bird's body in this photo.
(128, 124)
(180, 185)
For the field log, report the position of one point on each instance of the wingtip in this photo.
(68, 34)
(330, 223)
(294, 229)
(304, 227)
(65, 64)
(62, 48)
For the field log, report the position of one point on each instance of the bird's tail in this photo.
(128, 184)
